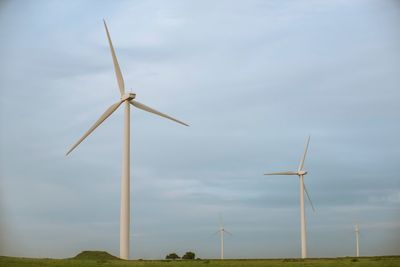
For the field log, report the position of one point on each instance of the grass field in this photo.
(104, 259)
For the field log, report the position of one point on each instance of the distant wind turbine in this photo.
(221, 232)
(301, 172)
(127, 99)
(357, 232)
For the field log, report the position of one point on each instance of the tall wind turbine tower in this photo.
(221, 232)
(301, 172)
(127, 99)
(357, 232)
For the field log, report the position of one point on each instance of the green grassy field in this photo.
(101, 259)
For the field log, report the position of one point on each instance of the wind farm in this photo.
(292, 109)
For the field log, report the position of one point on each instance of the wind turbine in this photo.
(221, 232)
(301, 172)
(357, 232)
(127, 99)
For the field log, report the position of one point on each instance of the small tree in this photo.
(172, 256)
(189, 256)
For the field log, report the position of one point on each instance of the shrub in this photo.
(189, 256)
(172, 256)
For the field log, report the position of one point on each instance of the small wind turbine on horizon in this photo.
(357, 232)
(221, 232)
(301, 172)
(127, 99)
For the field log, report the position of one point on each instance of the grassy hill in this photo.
(100, 258)
(95, 255)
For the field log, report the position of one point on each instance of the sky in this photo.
(252, 78)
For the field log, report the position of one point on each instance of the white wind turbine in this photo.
(221, 232)
(357, 232)
(127, 99)
(301, 172)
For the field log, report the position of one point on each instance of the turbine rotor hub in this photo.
(128, 96)
(302, 172)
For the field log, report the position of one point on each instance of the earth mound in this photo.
(95, 255)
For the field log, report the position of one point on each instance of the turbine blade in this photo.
(149, 109)
(221, 223)
(118, 73)
(308, 196)
(301, 165)
(228, 232)
(281, 173)
(105, 115)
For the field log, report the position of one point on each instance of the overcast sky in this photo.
(252, 78)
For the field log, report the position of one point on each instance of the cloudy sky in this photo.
(252, 78)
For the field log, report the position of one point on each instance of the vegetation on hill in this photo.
(95, 255)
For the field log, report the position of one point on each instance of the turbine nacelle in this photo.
(302, 172)
(128, 96)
